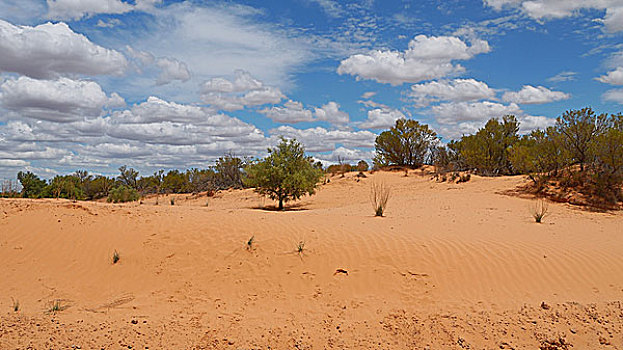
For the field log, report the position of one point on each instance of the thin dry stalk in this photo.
(539, 210)
(379, 196)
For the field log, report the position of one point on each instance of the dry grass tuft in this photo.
(539, 210)
(379, 196)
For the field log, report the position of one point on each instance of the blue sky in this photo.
(93, 84)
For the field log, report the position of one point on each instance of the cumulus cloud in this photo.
(614, 77)
(60, 100)
(238, 93)
(349, 155)
(291, 112)
(50, 50)
(534, 95)
(454, 90)
(171, 69)
(552, 9)
(614, 95)
(457, 112)
(331, 113)
(72, 9)
(426, 58)
(322, 140)
(381, 118)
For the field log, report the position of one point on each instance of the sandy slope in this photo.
(449, 267)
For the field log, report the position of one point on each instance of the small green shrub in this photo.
(115, 257)
(122, 194)
(173, 201)
(300, 247)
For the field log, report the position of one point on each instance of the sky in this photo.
(162, 84)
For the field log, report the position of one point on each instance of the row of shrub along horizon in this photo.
(582, 151)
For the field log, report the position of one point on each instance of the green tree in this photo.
(362, 165)
(580, 129)
(229, 170)
(32, 185)
(487, 151)
(407, 143)
(128, 177)
(285, 174)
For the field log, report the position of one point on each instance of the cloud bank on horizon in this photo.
(90, 84)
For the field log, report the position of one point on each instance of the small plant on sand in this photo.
(539, 210)
(173, 201)
(250, 243)
(115, 257)
(300, 247)
(379, 196)
(56, 306)
(15, 305)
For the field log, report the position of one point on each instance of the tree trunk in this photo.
(280, 203)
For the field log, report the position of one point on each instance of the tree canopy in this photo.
(285, 174)
(407, 144)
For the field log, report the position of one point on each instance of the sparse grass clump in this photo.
(56, 306)
(115, 257)
(379, 196)
(15, 305)
(300, 247)
(250, 243)
(539, 210)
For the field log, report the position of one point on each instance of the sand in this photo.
(450, 266)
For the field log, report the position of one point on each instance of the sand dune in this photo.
(449, 267)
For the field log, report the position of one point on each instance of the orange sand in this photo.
(449, 267)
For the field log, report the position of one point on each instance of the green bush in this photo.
(122, 194)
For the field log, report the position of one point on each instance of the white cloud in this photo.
(78, 9)
(331, 113)
(552, 9)
(457, 112)
(614, 77)
(240, 92)
(426, 58)
(454, 90)
(563, 76)
(368, 94)
(216, 38)
(529, 123)
(143, 57)
(110, 23)
(381, 118)
(322, 140)
(49, 50)
(60, 100)
(331, 7)
(243, 81)
(172, 69)
(614, 95)
(534, 95)
(291, 112)
(348, 155)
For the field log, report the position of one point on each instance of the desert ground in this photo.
(450, 266)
